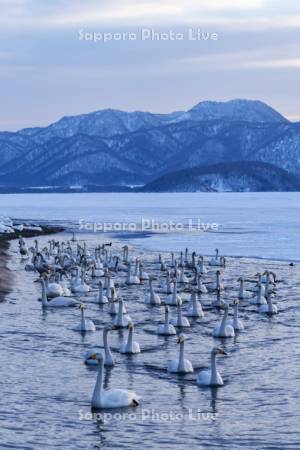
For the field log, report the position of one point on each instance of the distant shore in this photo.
(6, 275)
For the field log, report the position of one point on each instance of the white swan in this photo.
(110, 398)
(152, 298)
(57, 302)
(108, 358)
(259, 299)
(194, 307)
(180, 321)
(183, 279)
(218, 284)
(200, 286)
(167, 288)
(219, 303)
(224, 330)
(130, 346)
(173, 298)
(166, 328)
(216, 261)
(211, 377)
(113, 303)
(122, 320)
(80, 287)
(85, 324)
(202, 269)
(180, 365)
(236, 323)
(142, 274)
(53, 289)
(101, 298)
(131, 279)
(243, 295)
(269, 308)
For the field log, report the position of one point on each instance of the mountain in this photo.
(233, 177)
(117, 148)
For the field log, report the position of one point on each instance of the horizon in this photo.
(50, 67)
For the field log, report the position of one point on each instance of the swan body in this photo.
(122, 320)
(236, 323)
(57, 302)
(110, 398)
(85, 324)
(216, 261)
(167, 288)
(180, 321)
(174, 298)
(180, 365)
(152, 298)
(224, 330)
(130, 346)
(166, 328)
(243, 295)
(218, 284)
(132, 279)
(101, 298)
(259, 299)
(269, 308)
(211, 377)
(194, 307)
(200, 286)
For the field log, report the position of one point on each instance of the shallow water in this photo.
(264, 224)
(46, 388)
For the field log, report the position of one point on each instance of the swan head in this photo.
(167, 309)
(97, 356)
(82, 306)
(130, 326)
(224, 306)
(181, 338)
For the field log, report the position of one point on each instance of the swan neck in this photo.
(181, 356)
(107, 351)
(98, 386)
(224, 319)
(44, 297)
(130, 339)
(214, 373)
(82, 321)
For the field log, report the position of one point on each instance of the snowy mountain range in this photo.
(112, 147)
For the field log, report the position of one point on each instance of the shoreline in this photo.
(6, 275)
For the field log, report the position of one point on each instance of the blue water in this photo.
(249, 224)
(46, 389)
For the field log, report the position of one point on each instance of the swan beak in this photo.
(222, 351)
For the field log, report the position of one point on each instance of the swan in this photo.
(110, 398)
(142, 274)
(242, 293)
(211, 377)
(180, 321)
(236, 323)
(224, 330)
(167, 288)
(122, 320)
(216, 261)
(57, 302)
(108, 358)
(166, 328)
(53, 289)
(194, 307)
(269, 308)
(130, 346)
(131, 279)
(200, 286)
(259, 299)
(80, 287)
(85, 324)
(218, 284)
(113, 310)
(219, 303)
(96, 272)
(173, 298)
(202, 269)
(180, 365)
(101, 299)
(183, 279)
(152, 298)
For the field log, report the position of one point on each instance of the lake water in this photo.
(249, 224)
(46, 388)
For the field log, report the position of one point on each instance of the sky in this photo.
(50, 67)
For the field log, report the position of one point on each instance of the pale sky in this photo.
(47, 72)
